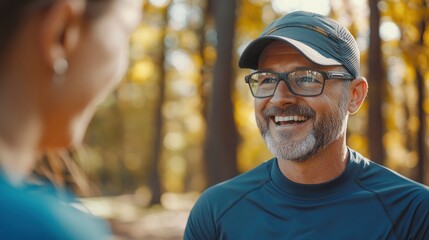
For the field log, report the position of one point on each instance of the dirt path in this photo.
(157, 225)
(130, 220)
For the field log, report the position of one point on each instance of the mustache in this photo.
(290, 110)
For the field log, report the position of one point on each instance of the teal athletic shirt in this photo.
(31, 212)
(367, 201)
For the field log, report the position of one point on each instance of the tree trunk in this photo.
(205, 78)
(376, 89)
(155, 179)
(221, 142)
(421, 145)
(124, 177)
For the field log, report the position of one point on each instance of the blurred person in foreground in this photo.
(306, 83)
(60, 58)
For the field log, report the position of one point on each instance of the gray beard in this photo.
(329, 128)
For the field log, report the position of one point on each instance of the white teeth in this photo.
(290, 118)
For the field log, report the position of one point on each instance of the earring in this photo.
(60, 67)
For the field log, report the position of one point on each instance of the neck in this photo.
(20, 130)
(16, 163)
(326, 165)
(23, 78)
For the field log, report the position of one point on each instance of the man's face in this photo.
(317, 121)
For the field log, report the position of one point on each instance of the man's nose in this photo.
(283, 95)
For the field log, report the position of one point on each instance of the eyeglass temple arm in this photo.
(339, 75)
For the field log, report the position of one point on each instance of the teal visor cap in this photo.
(321, 39)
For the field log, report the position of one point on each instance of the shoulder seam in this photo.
(382, 204)
(244, 195)
(239, 199)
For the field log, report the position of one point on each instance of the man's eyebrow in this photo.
(295, 69)
(263, 69)
(305, 68)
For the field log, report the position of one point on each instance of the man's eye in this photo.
(308, 79)
(268, 80)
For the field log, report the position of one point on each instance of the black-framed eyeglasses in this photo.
(302, 82)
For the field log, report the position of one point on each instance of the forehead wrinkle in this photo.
(275, 53)
(278, 48)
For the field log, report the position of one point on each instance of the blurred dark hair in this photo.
(13, 12)
(61, 169)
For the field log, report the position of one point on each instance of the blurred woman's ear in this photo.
(61, 26)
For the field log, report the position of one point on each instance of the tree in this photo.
(222, 136)
(376, 78)
(155, 181)
(421, 143)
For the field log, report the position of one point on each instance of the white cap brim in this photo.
(309, 52)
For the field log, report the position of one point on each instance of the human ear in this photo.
(60, 29)
(358, 92)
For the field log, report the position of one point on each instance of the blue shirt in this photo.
(29, 214)
(367, 201)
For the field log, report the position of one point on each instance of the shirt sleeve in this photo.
(201, 223)
(419, 227)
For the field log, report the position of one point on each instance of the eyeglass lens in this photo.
(300, 82)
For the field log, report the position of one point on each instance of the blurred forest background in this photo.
(183, 118)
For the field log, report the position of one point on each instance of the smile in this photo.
(290, 119)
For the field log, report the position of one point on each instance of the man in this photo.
(306, 84)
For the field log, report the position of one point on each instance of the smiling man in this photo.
(306, 83)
